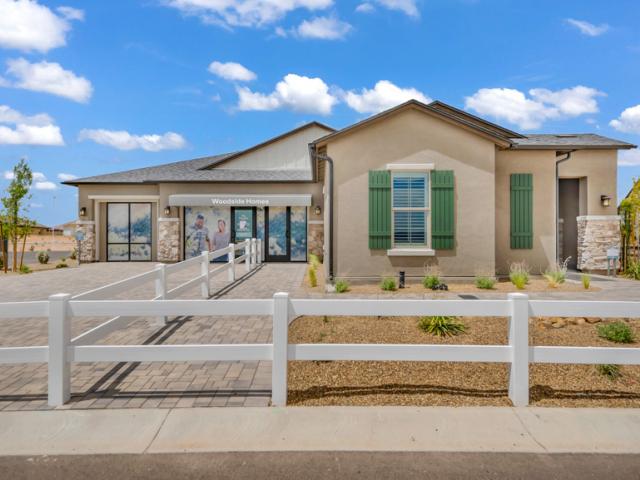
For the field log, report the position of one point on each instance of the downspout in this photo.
(316, 156)
(558, 162)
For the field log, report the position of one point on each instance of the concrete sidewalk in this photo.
(349, 429)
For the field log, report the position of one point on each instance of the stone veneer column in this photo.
(596, 234)
(87, 251)
(168, 239)
(315, 239)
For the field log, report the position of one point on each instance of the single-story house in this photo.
(415, 186)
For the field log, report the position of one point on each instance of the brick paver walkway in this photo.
(152, 384)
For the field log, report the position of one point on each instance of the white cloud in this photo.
(49, 78)
(36, 129)
(408, 7)
(587, 28)
(36, 205)
(629, 158)
(46, 185)
(244, 13)
(529, 113)
(37, 176)
(123, 140)
(65, 177)
(365, 8)
(382, 96)
(324, 28)
(232, 71)
(26, 25)
(628, 121)
(294, 92)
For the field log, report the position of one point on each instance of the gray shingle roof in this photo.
(567, 141)
(194, 171)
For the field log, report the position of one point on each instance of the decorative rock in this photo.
(580, 321)
(560, 323)
(593, 320)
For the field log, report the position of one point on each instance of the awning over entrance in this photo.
(242, 200)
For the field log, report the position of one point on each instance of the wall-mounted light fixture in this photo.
(167, 211)
(83, 211)
(605, 200)
(317, 210)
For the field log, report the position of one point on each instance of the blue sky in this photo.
(92, 87)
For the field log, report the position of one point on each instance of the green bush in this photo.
(388, 284)
(313, 278)
(43, 258)
(441, 326)
(62, 265)
(519, 274)
(485, 283)
(74, 254)
(342, 286)
(556, 274)
(25, 269)
(618, 332)
(586, 280)
(612, 372)
(314, 260)
(431, 281)
(633, 269)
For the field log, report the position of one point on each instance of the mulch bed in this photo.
(451, 383)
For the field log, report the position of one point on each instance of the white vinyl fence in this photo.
(62, 350)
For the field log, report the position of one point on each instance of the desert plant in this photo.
(519, 274)
(431, 281)
(342, 286)
(485, 283)
(74, 254)
(61, 265)
(618, 332)
(633, 269)
(314, 260)
(556, 274)
(43, 258)
(388, 284)
(612, 372)
(586, 280)
(313, 279)
(25, 269)
(441, 326)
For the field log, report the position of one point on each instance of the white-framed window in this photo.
(411, 209)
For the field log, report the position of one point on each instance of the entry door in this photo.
(569, 211)
(278, 232)
(244, 224)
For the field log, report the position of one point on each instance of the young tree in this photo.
(4, 258)
(17, 194)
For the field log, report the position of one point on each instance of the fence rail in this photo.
(62, 350)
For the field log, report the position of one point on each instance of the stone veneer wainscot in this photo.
(168, 239)
(596, 234)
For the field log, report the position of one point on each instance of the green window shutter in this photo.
(442, 210)
(521, 210)
(379, 209)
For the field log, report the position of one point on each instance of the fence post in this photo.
(204, 270)
(247, 252)
(519, 342)
(259, 251)
(280, 346)
(231, 258)
(59, 341)
(254, 257)
(161, 285)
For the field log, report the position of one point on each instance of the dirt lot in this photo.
(454, 384)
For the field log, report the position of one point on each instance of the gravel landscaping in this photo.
(454, 384)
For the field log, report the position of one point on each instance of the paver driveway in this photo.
(153, 384)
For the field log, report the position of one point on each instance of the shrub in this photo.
(485, 283)
(74, 254)
(618, 332)
(519, 274)
(62, 265)
(388, 284)
(431, 281)
(313, 279)
(25, 269)
(43, 258)
(342, 286)
(556, 274)
(612, 372)
(314, 260)
(586, 280)
(633, 269)
(441, 326)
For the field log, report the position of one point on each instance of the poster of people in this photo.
(206, 228)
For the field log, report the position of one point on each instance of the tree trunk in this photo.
(14, 262)
(3, 248)
(24, 245)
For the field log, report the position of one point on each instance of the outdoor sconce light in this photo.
(83, 211)
(605, 200)
(167, 211)
(317, 210)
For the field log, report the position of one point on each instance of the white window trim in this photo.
(422, 250)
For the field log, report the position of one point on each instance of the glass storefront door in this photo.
(286, 233)
(128, 232)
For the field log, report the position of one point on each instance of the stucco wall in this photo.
(412, 136)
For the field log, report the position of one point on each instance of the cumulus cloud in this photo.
(19, 129)
(26, 25)
(365, 8)
(244, 13)
(294, 92)
(65, 177)
(40, 181)
(628, 121)
(232, 71)
(45, 185)
(382, 96)
(407, 7)
(49, 78)
(323, 28)
(531, 112)
(587, 28)
(629, 158)
(123, 140)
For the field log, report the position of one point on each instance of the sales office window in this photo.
(410, 209)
